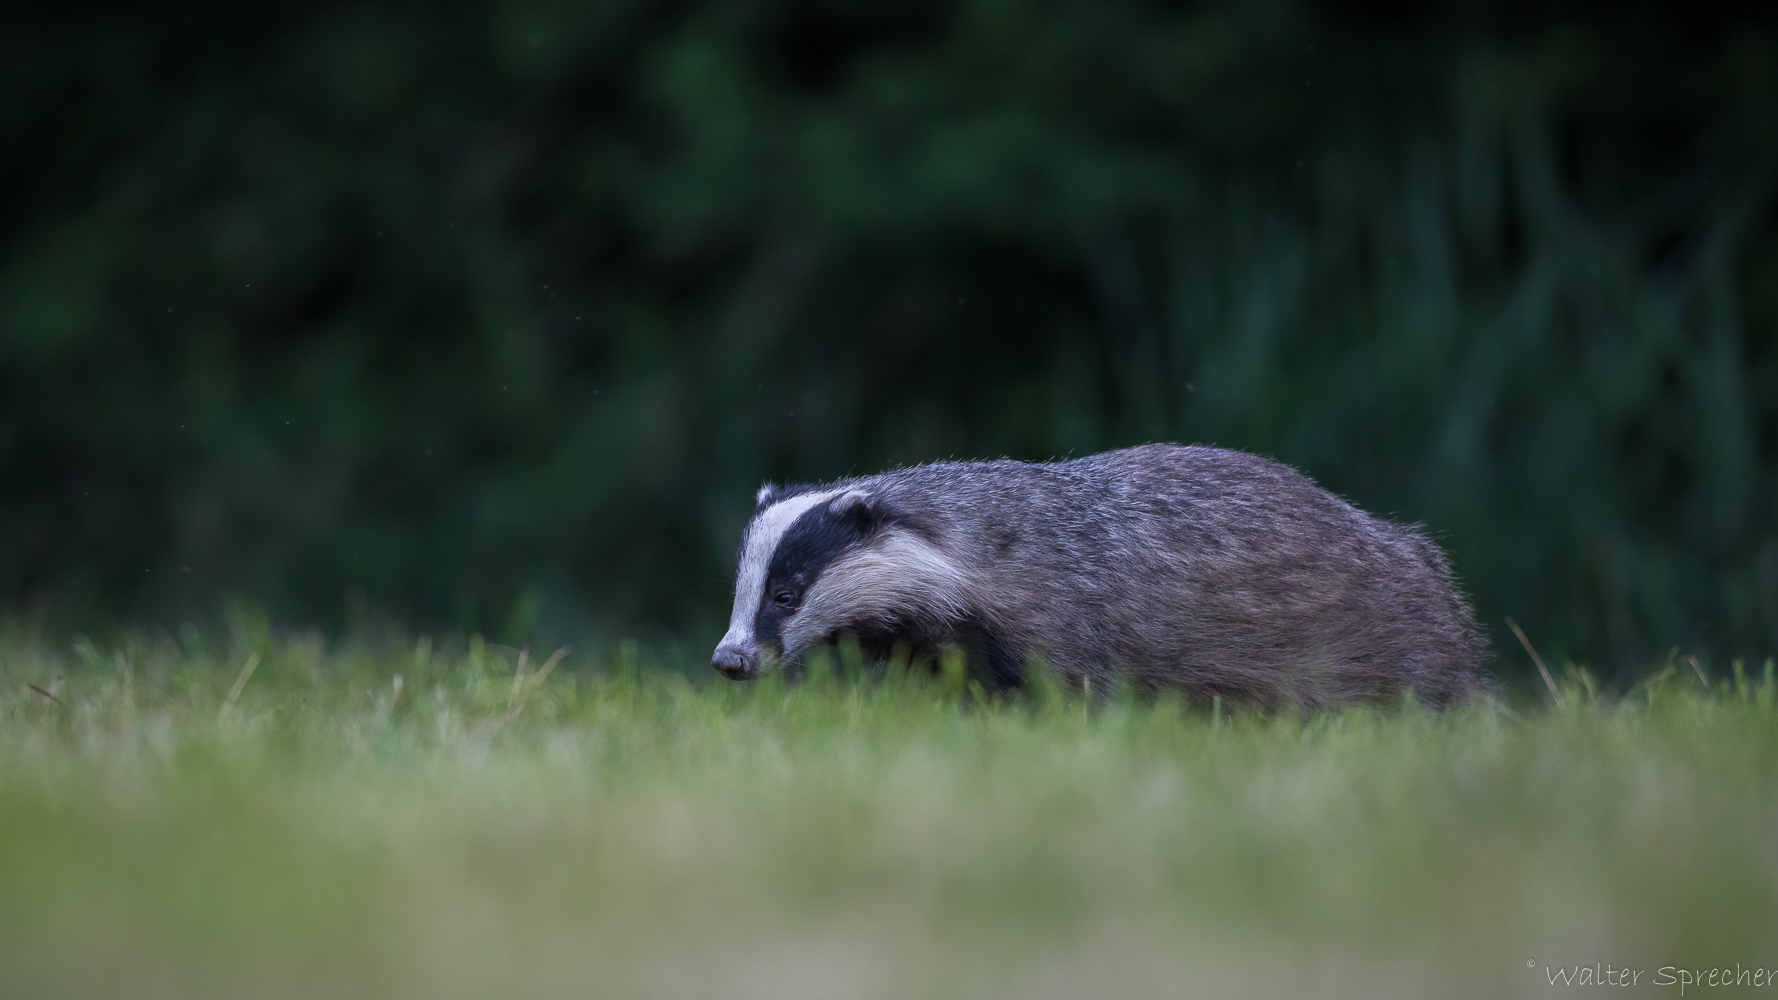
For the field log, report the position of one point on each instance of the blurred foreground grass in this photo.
(613, 830)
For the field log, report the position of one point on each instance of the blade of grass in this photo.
(44, 693)
(1548, 681)
(240, 683)
(517, 703)
(518, 678)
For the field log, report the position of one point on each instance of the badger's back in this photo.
(1215, 570)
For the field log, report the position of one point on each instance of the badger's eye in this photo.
(784, 599)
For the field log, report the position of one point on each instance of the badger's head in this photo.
(819, 562)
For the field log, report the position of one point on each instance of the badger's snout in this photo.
(735, 664)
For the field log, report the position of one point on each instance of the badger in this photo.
(1213, 571)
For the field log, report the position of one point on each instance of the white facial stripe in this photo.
(763, 536)
(900, 573)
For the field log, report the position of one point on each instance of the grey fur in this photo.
(1216, 571)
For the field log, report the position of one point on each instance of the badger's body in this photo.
(1216, 571)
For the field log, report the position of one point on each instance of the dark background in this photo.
(492, 316)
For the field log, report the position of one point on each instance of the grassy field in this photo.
(378, 821)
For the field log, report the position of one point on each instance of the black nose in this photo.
(732, 664)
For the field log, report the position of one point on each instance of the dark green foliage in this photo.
(497, 313)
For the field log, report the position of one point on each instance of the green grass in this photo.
(621, 831)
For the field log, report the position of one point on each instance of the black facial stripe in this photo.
(774, 495)
(812, 542)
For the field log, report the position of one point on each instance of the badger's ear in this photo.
(858, 509)
(764, 497)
